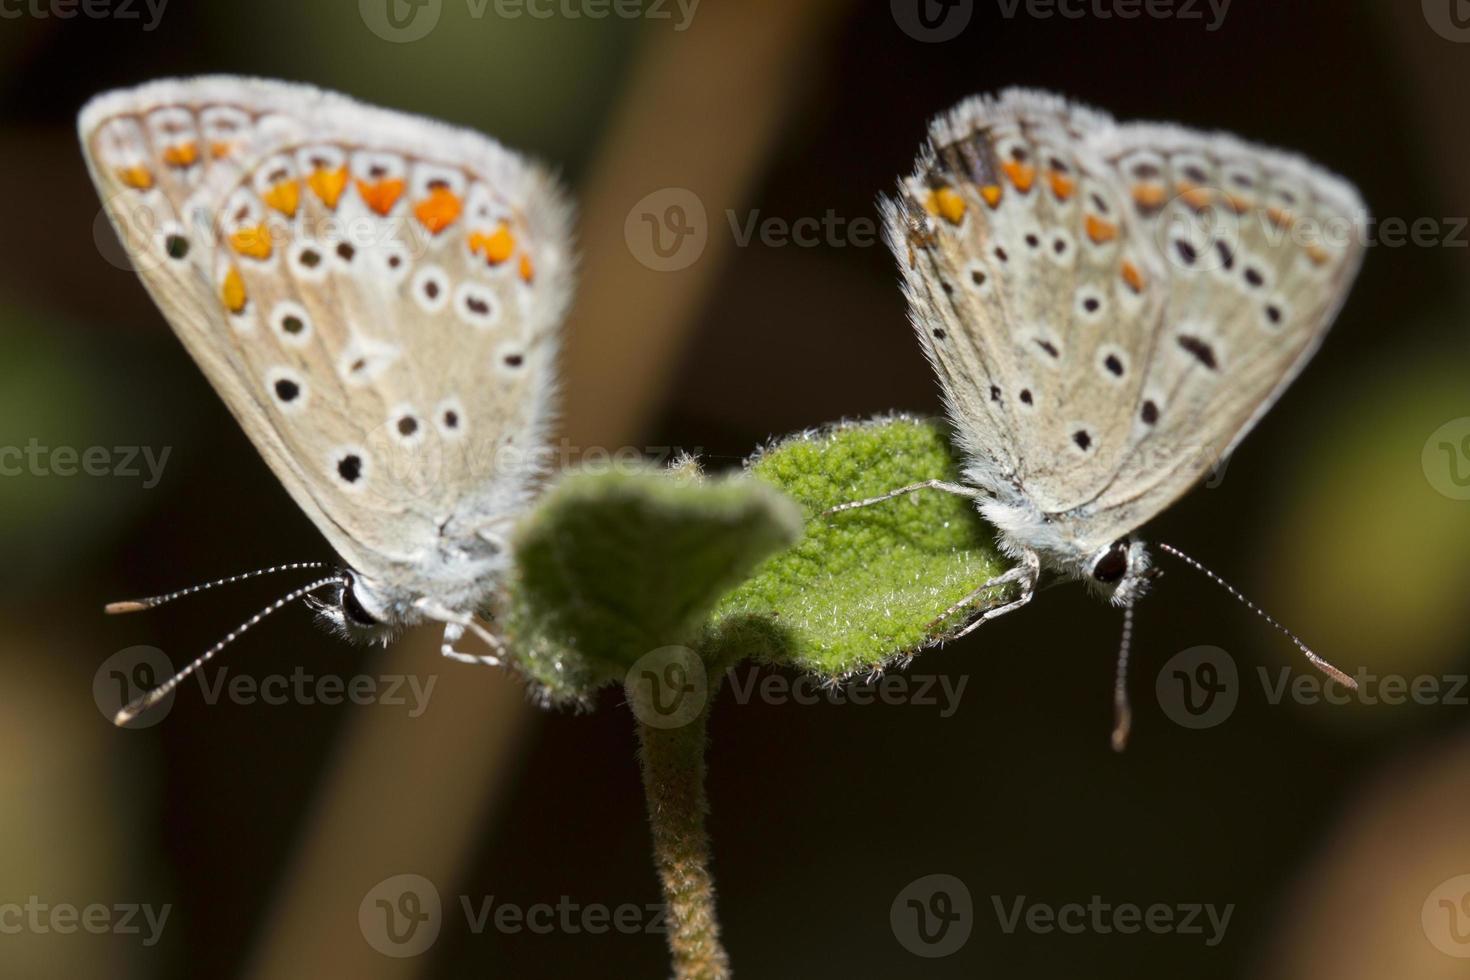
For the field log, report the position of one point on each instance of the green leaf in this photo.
(862, 588)
(613, 565)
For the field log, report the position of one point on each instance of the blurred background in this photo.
(1335, 834)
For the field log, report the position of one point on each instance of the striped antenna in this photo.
(1122, 710)
(153, 602)
(1317, 661)
(148, 700)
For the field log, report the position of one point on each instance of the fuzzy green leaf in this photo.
(613, 565)
(861, 589)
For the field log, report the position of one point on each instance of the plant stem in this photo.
(673, 781)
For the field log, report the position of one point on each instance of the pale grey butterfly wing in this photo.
(1111, 307)
(376, 297)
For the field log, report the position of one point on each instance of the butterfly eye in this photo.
(353, 609)
(1113, 565)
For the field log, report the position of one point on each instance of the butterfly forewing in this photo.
(375, 296)
(1110, 308)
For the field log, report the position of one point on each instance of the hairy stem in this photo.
(673, 781)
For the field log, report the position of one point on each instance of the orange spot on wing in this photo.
(1061, 185)
(139, 178)
(381, 195)
(1022, 175)
(232, 291)
(1194, 195)
(439, 210)
(1237, 203)
(1099, 230)
(285, 196)
(1149, 195)
(328, 185)
(1317, 254)
(946, 203)
(496, 246)
(528, 270)
(221, 148)
(1279, 217)
(992, 194)
(181, 154)
(254, 242)
(1132, 277)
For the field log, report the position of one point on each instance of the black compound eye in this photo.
(353, 609)
(1113, 565)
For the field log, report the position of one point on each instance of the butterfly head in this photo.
(1121, 572)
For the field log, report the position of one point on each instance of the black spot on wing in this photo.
(1201, 351)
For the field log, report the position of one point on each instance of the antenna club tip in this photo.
(125, 606)
(124, 716)
(1120, 740)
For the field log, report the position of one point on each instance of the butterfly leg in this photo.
(455, 626)
(958, 489)
(1025, 574)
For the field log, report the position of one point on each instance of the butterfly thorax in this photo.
(1118, 570)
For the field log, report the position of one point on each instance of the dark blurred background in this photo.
(1334, 831)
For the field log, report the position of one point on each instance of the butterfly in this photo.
(377, 298)
(1109, 308)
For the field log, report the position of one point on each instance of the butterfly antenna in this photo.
(1317, 661)
(153, 602)
(1122, 710)
(149, 699)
